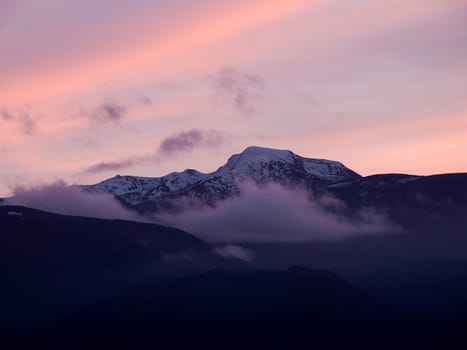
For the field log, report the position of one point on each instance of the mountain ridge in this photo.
(259, 165)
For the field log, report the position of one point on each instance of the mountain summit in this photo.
(261, 163)
(256, 164)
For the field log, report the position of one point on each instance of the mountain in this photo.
(255, 164)
(121, 284)
(427, 204)
(53, 263)
(255, 309)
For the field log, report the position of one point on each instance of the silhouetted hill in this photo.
(297, 308)
(53, 263)
(420, 204)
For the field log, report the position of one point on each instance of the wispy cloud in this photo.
(231, 251)
(6, 115)
(22, 118)
(115, 110)
(109, 112)
(60, 198)
(145, 100)
(241, 89)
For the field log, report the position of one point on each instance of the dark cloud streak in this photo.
(172, 146)
(109, 166)
(189, 140)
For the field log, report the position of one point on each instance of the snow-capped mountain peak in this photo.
(254, 155)
(257, 164)
(256, 161)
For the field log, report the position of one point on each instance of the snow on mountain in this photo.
(135, 189)
(257, 164)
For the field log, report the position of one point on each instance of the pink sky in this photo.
(89, 89)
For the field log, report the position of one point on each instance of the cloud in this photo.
(60, 198)
(234, 252)
(187, 141)
(28, 125)
(108, 166)
(22, 118)
(276, 214)
(6, 115)
(110, 112)
(145, 100)
(183, 142)
(241, 89)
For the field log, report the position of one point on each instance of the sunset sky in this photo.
(90, 89)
